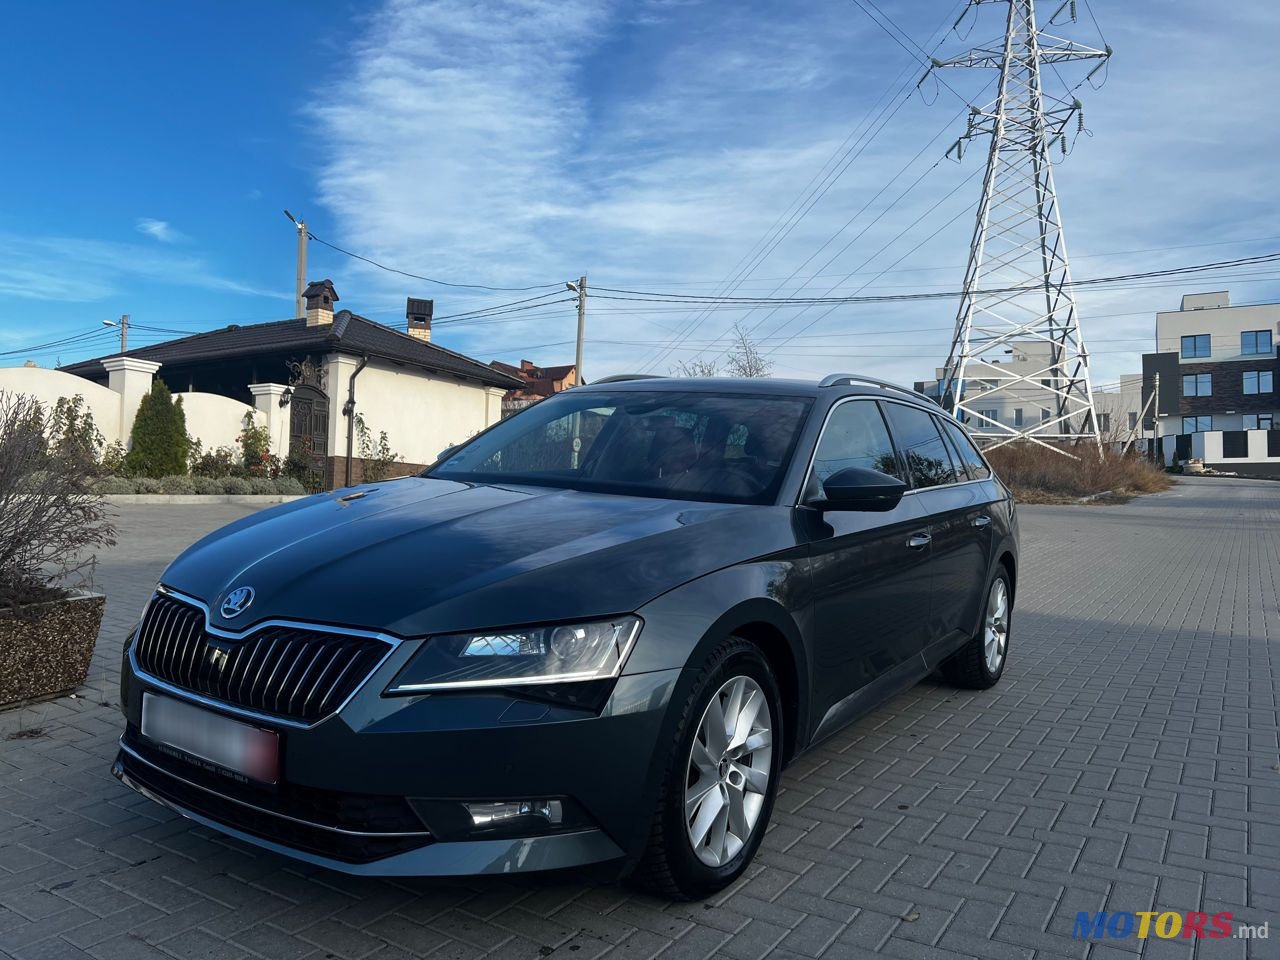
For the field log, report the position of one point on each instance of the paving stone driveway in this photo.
(1129, 761)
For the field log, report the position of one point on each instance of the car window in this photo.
(855, 436)
(690, 446)
(964, 448)
(921, 445)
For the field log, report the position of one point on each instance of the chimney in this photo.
(418, 313)
(320, 297)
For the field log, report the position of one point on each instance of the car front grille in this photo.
(289, 672)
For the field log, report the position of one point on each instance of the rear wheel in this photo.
(979, 664)
(721, 777)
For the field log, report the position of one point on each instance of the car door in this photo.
(958, 526)
(868, 570)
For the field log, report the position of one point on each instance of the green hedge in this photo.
(181, 484)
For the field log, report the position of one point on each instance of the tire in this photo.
(672, 866)
(970, 667)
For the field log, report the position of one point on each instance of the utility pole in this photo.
(123, 324)
(298, 307)
(1017, 284)
(580, 288)
(1158, 443)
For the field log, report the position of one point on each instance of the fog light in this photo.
(496, 814)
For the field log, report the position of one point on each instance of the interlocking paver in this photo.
(1129, 761)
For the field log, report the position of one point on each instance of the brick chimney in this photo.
(320, 297)
(418, 313)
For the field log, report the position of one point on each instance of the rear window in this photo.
(964, 448)
(921, 445)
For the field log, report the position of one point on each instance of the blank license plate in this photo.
(212, 738)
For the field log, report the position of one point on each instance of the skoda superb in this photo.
(593, 634)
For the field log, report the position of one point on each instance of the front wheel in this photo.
(721, 777)
(979, 664)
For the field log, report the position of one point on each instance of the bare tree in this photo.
(50, 516)
(744, 360)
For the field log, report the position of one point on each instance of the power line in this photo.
(414, 276)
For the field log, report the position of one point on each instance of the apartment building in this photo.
(1216, 365)
(1016, 397)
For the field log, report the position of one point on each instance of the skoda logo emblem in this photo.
(237, 602)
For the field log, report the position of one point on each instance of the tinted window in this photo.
(855, 436)
(689, 446)
(921, 444)
(964, 448)
(1196, 346)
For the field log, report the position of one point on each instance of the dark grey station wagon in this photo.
(593, 634)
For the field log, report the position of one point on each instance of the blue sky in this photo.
(651, 143)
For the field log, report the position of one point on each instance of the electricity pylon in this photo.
(1017, 285)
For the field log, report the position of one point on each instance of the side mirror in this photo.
(857, 488)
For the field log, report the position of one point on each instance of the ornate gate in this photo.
(308, 425)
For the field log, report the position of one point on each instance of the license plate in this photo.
(200, 735)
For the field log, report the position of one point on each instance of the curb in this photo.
(262, 499)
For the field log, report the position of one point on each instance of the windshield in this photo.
(689, 446)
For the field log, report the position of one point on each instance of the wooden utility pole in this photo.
(582, 325)
(299, 309)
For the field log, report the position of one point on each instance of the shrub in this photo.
(220, 462)
(115, 485)
(237, 485)
(71, 425)
(289, 487)
(1041, 475)
(50, 515)
(158, 441)
(148, 485)
(255, 449)
(113, 460)
(377, 454)
(262, 485)
(177, 484)
(207, 485)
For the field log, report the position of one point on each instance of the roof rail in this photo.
(852, 379)
(622, 377)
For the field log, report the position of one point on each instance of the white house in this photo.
(307, 380)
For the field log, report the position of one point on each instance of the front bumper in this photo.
(354, 787)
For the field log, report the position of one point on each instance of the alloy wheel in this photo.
(728, 773)
(996, 629)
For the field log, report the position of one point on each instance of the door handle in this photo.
(918, 541)
(982, 521)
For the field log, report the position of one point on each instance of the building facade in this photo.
(539, 383)
(1215, 366)
(1017, 398)
(322, 385)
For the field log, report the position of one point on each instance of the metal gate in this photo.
(309, 434)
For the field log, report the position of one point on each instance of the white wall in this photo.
(421, 413)
(48, 385)
(216, 421)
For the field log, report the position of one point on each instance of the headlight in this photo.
(557, 654)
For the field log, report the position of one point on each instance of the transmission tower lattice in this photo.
(1017, 294)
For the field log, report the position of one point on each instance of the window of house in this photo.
(1259, 381)
(1047, 383)
(920, 443)
(856, 436)
(1255, 342)
(1197, 385)
(988, 415)
(1133, 419)
(1258, 421)
(1195, 346)
(1044, 415)
(1104, 422)
(1017, 416)
(1196, 424)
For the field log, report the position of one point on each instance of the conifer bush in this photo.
(158, 441)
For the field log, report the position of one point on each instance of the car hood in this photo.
(419, 556)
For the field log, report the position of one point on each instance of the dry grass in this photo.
(1038, 475)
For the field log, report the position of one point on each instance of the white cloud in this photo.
(159, 230)
(652, 144)
(79, 270)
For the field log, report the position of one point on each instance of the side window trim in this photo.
(961, 465)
